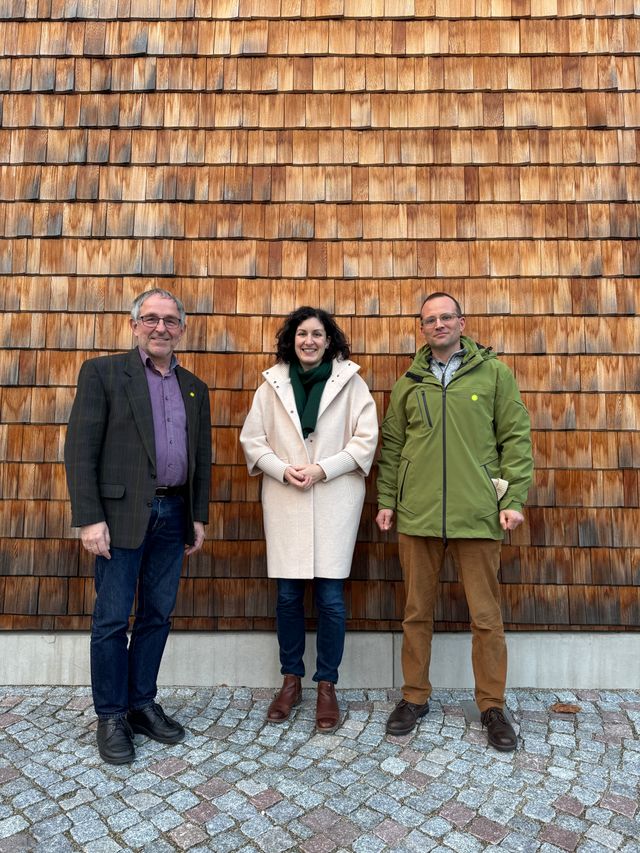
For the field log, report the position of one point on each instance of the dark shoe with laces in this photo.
(115, 741)
(404, 717)
(154, 723)
(500, 733)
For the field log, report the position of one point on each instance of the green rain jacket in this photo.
(441, 447)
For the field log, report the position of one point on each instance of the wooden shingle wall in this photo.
(255, 155)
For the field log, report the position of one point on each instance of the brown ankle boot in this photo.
(290, 695)
(327, 711)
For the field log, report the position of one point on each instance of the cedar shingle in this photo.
(386, 151)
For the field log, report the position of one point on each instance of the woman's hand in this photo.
(312, 473)
(304, 476)
(295, 478)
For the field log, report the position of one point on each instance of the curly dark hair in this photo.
(285, 336)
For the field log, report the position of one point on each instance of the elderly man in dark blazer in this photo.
(138, 458)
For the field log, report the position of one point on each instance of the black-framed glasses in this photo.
(430, 322)
(150, 321)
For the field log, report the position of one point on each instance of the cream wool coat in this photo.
(311, 533)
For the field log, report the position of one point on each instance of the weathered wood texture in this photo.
(255, 155)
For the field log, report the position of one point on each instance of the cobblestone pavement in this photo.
(237, 783)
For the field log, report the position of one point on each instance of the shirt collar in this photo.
(460, 352)
(146, 360)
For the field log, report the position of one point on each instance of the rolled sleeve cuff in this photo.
(506, 503)
(271, 465)
(338, 464)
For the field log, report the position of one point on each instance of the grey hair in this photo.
(157, 291)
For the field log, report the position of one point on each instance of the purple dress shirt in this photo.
(169, 423)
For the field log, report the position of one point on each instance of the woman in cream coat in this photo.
(312, 431)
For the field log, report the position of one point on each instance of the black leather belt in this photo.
(169, 491)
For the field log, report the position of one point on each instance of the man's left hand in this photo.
(510, 519)
(198, 529)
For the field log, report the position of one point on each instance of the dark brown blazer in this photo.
(109, 451)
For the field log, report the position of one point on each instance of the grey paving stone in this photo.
(182, 800)
(88, 831)
(609, 839)
(516, 843)
(108, 845)
(284, 811)
(462, 843)
(275, 840)
(218, 824)
(369, 844)
(53, 826)
(12, 826)
(369, 789)
(123, 819)
(165, 818)
(58, 844)
(140, 834)
(436, 827)
(417, 842)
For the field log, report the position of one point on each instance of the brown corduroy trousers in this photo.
(477, 562)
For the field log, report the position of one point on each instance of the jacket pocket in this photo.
(111, 490)
(403, 475)
(424, 408)
(491, 470)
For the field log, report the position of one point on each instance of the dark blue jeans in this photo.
(329, 600)
(122, 677)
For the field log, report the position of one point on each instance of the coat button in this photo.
(149, 503)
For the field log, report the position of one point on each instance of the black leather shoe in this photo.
(154, 723)
(404, 717)
(500, 733)
(115, 741)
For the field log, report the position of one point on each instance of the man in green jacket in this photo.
(454, 471)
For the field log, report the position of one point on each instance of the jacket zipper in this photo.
(426, 408)
(444, 450)
(444, 465)
(444, 453)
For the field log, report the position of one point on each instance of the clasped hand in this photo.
(303, 476)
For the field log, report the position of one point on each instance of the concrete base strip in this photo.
(553, 660)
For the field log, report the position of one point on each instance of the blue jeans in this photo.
(329, 600)
(122, 677)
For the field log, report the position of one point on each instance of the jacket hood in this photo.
(473, 351)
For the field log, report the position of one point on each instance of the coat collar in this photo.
(277, 377)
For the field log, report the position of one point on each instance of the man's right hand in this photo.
(384, 519)
(96, 539)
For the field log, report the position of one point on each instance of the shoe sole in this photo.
(409, 730)
(127, 759)
(140, 730)
(284, 719)
(324, 731)
(501, 748)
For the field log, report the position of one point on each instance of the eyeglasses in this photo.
(430, 322)
(150, 321)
